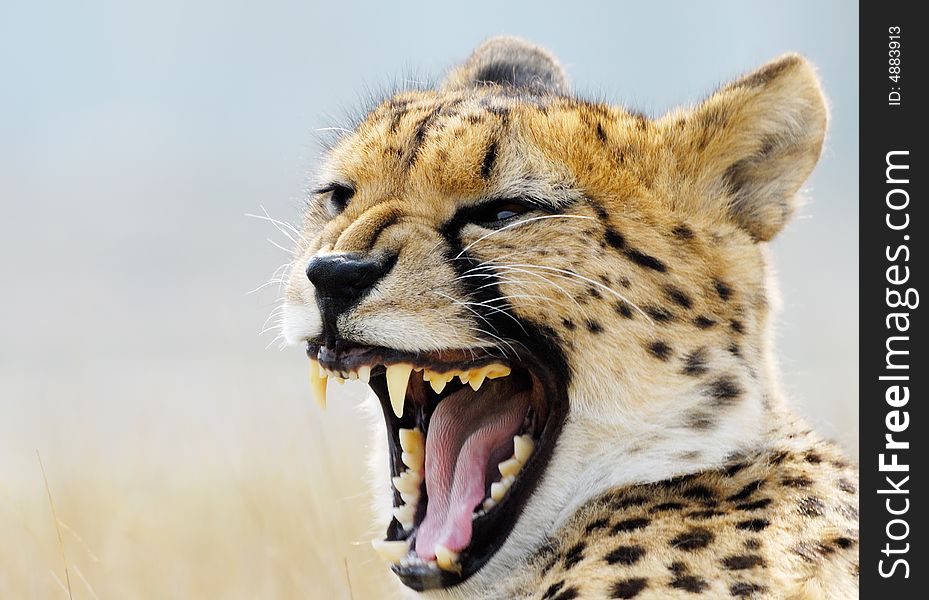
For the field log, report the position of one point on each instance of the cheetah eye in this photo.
(497, 213)
(339, 197)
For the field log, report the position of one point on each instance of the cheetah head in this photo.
(549, 297)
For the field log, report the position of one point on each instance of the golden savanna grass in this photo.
(291, 524)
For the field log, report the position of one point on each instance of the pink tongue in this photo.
(467, 430)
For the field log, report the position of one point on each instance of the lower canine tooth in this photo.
(392, 552)
(398, 376)
(446, 559)
(318, 384)
(523, 447)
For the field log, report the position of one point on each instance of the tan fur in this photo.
(654, 285)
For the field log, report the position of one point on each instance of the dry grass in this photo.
(292, 526)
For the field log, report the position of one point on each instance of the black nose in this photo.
(346, 276)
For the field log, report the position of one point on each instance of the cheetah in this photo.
(562, 309)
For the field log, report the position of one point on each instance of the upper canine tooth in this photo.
(523, 447)
(510, 467)
(391, 551)
(398, 376)
(317, 384)
(446, 559)
(364, 373)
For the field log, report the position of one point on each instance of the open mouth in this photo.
(469, 438)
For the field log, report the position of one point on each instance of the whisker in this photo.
(522, 222)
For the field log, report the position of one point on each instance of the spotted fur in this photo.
(680, 472)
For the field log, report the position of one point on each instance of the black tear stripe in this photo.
(490, 157)
(646, 260)
(501, 320)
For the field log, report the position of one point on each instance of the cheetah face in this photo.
(547, 296)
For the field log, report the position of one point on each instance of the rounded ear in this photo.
(752, 144)
(511, 62)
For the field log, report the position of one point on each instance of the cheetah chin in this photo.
(563, 310)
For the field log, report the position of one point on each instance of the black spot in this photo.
(660, 350)
(614, 238)
(778, 458)
(756, 505)
(683, 232)
(846, 486)
(724, 391)
(624, 281)
(597, 525)
(552, 590)
(624, 502)
(623, 309)
(662, 315)
(574, 555)
(737, 326)
(689, 583)
(809, 551)
(601, 135)
(625, 555)
(724, 291)
(678, 296)
(628, 588)
(844, 542)
(813, 458)
(631, 525)
(742, 589)
(753, 524)
(677, 567)
(746, 491)
(704, 322)
(594, 326)
(740, 562)
(733, 469)
(490, 156)
(569, 594)
(594, 293)
(706, 514)
(700, 421)
(693, 539)
(695, 363)
(698, 492)
(811, 506)
(568, 324)
(734, 349)
(667, 506)
(801, 481)
(645, 260)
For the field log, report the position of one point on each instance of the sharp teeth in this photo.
(392, 552)
(476, 379)
(411, 440)
(405, 515)
(489, 503)
(436, 380)
(496, 371)
(339, 380)
(523, 447)
(317, 384)
(352, 375)
(446, 559)
(364, 373)
(410, 497)
(510, 467)
(498, 490)
(398, 376)
(408, 482)
(414, 460)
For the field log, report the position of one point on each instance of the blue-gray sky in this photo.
(135, 135)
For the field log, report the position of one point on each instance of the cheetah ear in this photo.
(754, 142)
(511, 62)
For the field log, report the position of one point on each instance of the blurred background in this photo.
(183, 455)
